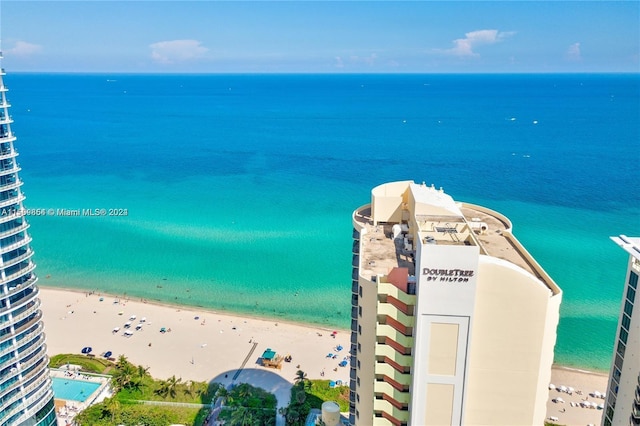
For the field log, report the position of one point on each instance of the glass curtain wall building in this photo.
(623, 392)
(26, 396)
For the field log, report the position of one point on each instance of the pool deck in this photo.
(66, 410)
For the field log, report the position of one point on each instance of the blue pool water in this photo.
(73, 390)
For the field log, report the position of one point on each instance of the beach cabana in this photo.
(271, 359)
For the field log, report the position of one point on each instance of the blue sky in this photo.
(320, 37)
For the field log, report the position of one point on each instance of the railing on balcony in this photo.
(24, 241)
(15, 230)
(17, 198)
(27, 254)
(30, 266)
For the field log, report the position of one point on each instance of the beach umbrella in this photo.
(86, 350)
(552, 386)
(107, 354)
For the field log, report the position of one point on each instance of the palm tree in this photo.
(113, 406)
(301, 377)
(244, 391)
(142, 372)
(238, 416)
(163, 388)
(189, 388)
(122, 361)
(222, 392)
(301, 396)
(124, 375)
(172, 385)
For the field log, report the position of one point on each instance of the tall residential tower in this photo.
(451, 316)
(623, 391)
(26, 397)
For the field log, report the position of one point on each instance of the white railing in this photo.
(26, 240)
(14, 200)
(30, 267)
(15, 230)
(19, 259)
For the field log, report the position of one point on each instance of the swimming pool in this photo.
(73, 390)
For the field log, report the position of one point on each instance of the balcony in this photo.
(394, 414)
(17, 198)
(17, 288)
(11, 216)
(383, 330)
(390, 372)
(15, 230)
(19, 259)
(9, 170)
(389, 352)
(23, 271)
(28, 298)
(23, 242)
(394, 291)
(8, 154)
(11, 185)
(395, 313)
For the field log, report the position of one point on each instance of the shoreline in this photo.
(215, 311)
(241, 316)
(206, 345)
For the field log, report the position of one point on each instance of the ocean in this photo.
(235, 192)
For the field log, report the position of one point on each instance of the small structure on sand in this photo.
(271, 359)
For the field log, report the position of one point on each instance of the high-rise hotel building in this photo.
(26, 396)
(453, 321)
(622, 406)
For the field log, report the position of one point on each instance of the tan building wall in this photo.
(480, 325)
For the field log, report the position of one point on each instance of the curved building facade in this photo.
(26, 396)
(451, 316)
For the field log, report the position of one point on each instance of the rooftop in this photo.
(380, 252)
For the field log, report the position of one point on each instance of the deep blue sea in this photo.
(239, 189)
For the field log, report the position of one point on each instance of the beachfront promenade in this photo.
(225, 348)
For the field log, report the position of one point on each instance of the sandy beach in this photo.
(210, 346)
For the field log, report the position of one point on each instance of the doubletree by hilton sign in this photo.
(448, 275)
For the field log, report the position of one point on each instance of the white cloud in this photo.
(355, 60)
(573, 52)
(170, 52)
(464, 47)
(23, 48)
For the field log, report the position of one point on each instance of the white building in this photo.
(623, 391)
(26, 397)
(451, 316)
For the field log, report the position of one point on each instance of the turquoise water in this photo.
(239, 189)
(73, 390)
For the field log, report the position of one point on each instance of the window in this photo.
(359, 329)
(621, 348)
(358, 381)
(360, 310)
(358, 397)
(358, 364)
(626, 321)
(633, 280)
(360, 291)
(631, 294)
(624, 335)
(628, 307)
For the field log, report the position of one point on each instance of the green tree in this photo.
(113, 406)
(172, 385)
(301, 378)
